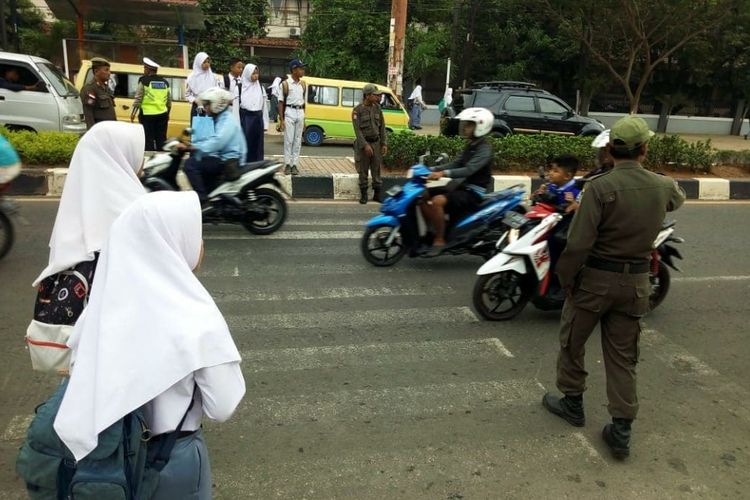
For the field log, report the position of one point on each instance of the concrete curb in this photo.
(50, 182)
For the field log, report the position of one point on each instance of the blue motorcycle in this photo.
(401, 227)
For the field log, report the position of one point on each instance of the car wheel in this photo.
(314, 135)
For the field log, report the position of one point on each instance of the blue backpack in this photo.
(122, 466)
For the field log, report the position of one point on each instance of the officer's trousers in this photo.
(372, 164)
(618, 301)
(155, 129)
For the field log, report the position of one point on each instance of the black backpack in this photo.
(122, 466)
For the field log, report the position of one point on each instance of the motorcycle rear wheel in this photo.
(273, 204)
(659, 285)
(7, 234)
(500, 296)
(374, 247)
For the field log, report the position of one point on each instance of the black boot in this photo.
(377, 194)
(617, 437)
(569, 408)
(363, 195)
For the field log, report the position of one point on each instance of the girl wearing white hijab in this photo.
(201, 79)
(153, 337)
(253, 112)
(102, 181)
(274, 90)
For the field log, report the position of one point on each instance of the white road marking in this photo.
(593, 453)
(329, 293)
(355, 320)
(290, 235)
(366, 404)
(357, 355)
(705, 279)
(729, 395)
(17, 427)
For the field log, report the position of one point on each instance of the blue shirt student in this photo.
(227, 142)
(559, 191)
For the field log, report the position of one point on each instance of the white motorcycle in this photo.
(522, 271)
(248, 200)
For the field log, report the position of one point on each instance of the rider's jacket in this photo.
(227, 141)
(474, 165)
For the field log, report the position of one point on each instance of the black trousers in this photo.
(155, 129)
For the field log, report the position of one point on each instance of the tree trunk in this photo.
(739, 116)
(587, 94)
(664, 112)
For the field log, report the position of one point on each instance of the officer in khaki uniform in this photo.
(98, 100)
(604, 270)
(371, 143)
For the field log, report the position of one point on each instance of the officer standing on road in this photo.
(154, 101)
(371, 143)
(604, 270)
(97, 98)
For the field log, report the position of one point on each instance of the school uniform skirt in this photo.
(187, 475)
(252, 126)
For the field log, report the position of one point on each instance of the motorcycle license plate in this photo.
(514, 220)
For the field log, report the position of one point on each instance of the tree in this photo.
(347, 39)
(228, 25)
(631, 38)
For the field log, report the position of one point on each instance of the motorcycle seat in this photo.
(255, 165)
(668, 223)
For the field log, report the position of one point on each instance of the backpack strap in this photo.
(161, 457)
(226, 81)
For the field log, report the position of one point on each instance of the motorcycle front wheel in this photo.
(659, 285)
(7, 235)
(376, 249)
(500, 296)
(274, 209)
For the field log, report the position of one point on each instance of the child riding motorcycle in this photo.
(474, 166)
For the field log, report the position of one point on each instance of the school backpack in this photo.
(122, 466)
(60, 300)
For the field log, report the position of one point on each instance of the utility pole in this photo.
(396, 46)
(469, 44)
(3, 28)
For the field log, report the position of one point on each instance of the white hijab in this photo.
(276, 83)
(100, 184)
(448, 96)
(201, 80)
(149, 323)
(253, 97)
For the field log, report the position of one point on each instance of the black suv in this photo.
(520, 108)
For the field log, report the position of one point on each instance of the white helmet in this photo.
(601, 140)
(483, 118)
(217, 97)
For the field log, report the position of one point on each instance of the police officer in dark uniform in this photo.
(97, 98)
(605, 271)
(152, 104)
(371, 143)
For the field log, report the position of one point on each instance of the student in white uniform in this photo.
(102, 181)
(292, 112)
(233, 83)
(199, 80)
(152, 335)
(417, 105)
(253, 112)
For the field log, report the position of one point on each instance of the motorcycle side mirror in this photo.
(423, 158)
(187, 131)
(541, 173)
(443, 157)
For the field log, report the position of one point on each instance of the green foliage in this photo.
(347, 40)
(529, 152)
(42, 148)
(229, 23)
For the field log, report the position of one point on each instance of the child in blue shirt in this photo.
(562, 190)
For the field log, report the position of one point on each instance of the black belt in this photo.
(372, 139)
(638, 267)
(254, 113)
(294, 106)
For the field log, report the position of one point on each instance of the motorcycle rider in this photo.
(474, 166)
(220, 153)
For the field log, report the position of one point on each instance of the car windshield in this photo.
(61, 84)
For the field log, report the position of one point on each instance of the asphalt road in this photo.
(368, 383)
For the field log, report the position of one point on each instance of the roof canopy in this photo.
(185, 13)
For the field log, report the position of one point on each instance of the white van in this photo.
(56, 105)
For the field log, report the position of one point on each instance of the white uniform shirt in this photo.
(219, 385)
(296, 96)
